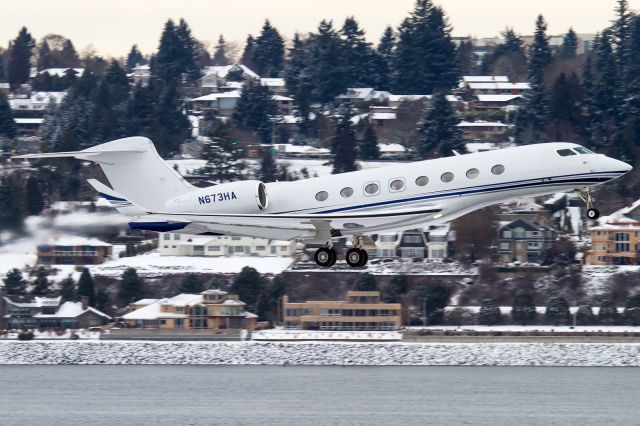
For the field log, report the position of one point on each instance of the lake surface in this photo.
(305, 395)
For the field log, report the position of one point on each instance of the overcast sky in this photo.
(113, 26)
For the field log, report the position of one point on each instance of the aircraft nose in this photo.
(622, 166)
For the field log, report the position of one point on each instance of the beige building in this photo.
(171, 244)
(211, 309)
(616, 240)
(361, 311)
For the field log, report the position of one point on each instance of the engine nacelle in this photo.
(249, 196)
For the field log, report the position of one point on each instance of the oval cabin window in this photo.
(397, 185)
(346, 192)
(371, 188)
(473, 173)
(498, 169)
(446, 177)
(322, 195)
(422, 181)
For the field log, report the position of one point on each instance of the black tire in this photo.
(593, 214)
(365, 258)
(334, 257)
(354, 257)
(324, 257)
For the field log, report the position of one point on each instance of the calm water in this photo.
(261, 395)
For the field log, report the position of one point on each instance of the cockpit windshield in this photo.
(565, 152)
(583, 150)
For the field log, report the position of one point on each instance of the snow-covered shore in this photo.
(298, 353)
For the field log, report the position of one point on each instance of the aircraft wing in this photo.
(297, 224)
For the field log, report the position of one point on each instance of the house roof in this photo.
(521, 223)
(72, 310)
(497, 98)
(500, 86)
(60, 72)
(481, 123)
(281, 98)
(73, 240)
(29, 120)
(485, 78)
(222, 70)
(357, 93)
(383, 116)
(391, 147)
(273, 82)
(216, 96)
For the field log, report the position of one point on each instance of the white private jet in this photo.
(398, 197)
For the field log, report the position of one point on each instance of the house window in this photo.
(178, 323)
(446, 177)
(346, 192)
(239, 249)
(622, 247)
(167, 236)
(621, 236)
(533, 245)
(396, 185)
(422, 181)
(387, 238)
(505, 245)
(236, 238)
(213, 248)
(372, 188)
(506, 234)
(322, 195)
(473, 173)
(412, 239)
(176, 237)
(437, 254)
(498, 169)
(260, 248)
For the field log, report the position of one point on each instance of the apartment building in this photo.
(172, 244)
(524, 241)
(616, 239)
(361, 311)
(72, 250)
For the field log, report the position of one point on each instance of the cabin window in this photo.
(322, 195)
(473, 173)
(346, 192)
(498, 169)
(372, 188)
(446, 177)
(422, 181)
(582, 150)
(565, 152)
(396, 185)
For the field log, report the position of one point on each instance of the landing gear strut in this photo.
(587, 198)
(325, 257)
(357, 256)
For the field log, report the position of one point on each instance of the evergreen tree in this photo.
(14, 283)
(508, 58)
(359, 58)
(11, 205)
(569, 48)
(41, 283)
(223, 155)
(343, 146)
(255, 110)
(608, 313)
(385, 53)
(539, 52)
(395, 290)
(466, 58)
(191, 283)
(45, 59)
(139, 109)
(19, 66)
(585, 316)
(189, 52)
(118, 83)
(134, 57)
(248, 285)
(68, 289)
(220, 55)
(325, 68)
(34, 201)
(104, 121)
(605, 112)
(622, 33)
(523, 311)
(2, 71)
(268, 168)
(436, 298)
(268, 53)
(167, 64)
(438, 129)
(102, 299)
(557, 311)
(366, 282)
(295, 65)
(247, 53)
(7, 123)
(425, 59)
(632, 310)
(564, 108)
(369, 149)
(68, 55)
(86, 287)
(169, 126)
(131, 287)
(489, 313)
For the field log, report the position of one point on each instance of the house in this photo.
(287, 150)
(391, 150)
(36, 104)
(616, 238)
(28, 126)
(50, 312)
(496, 101)
(222, 103)
(171, 244)
(362, 310)
(466, 79)
(431, 244)
(140, 74)
(72, 250)
(209, 310)
(484, 130)
(381, 116)
(285, 104)
(357, 95)
(62, 72)
(276, 85)
(216, 77)
(497, 88)
(5, 89)
(524, 241)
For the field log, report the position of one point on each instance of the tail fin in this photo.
(116, 200)
(135, 170)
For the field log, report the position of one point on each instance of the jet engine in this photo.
(245, 197)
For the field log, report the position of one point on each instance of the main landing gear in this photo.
(587, 198)
(355, 257)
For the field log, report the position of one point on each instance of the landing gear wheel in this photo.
(593, 214)
(356, 257)
(325, 257)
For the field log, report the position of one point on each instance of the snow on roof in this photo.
(480, 146)
(60, 72)
(215, 292)
(141, 67)
(196, 241)
(151, 311)
(183, 299)
(300, 149)
(441, 230)
(391, 147)
(216, 96)
(222, 70)
(72, 310)
(400, 98)
(619, 215)
(73, 240)
(497, 98)
(555, 198)
(272, 82)
(485, 78)
(500, 85)
(145, 302)
(281, 98)
(37, 302)
(29, 120)
(231, 302)
(383, 116)
(357, 93)
(480, 123)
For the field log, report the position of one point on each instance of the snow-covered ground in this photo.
(531, 328)
(281, 334)
(53, 335)
(319, 353)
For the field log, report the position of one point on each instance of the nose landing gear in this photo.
(587, 198)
